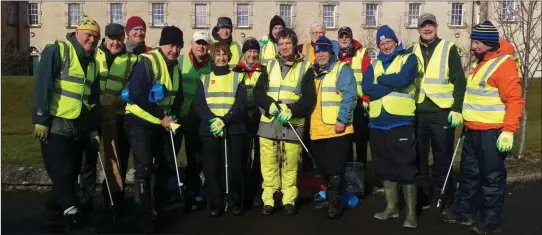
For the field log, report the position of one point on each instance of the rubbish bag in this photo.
(354, 178)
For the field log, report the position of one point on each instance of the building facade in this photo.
(47, 21)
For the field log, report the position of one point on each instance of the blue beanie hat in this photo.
(485, 33)
(385, 32)
(323, 44)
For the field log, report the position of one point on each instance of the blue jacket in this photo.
(386, 84)
(346, 83)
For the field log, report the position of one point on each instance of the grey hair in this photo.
(316, 24)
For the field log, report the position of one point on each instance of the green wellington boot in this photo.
(411, 199)
(391, 191)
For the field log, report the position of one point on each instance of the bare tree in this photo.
(522, 25)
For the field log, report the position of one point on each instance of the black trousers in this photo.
(482, 170)
(193, 152)
(62, 156)
(361, 134)
(332, 154)
(90, 159)
(213, 150)
(435, 133)
(393, 154)
(252, 175)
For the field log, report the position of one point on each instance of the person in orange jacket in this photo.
(491, 110)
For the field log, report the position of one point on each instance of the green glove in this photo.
(505, 142)
(173, 117)
(455, 119)
(273, 109)
(41, 132)
(217, 125)
(95, 139)
(220, 133)
(285, 115)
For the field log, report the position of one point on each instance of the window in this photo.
(158, 15)
(74, 14)
(414, 10)
(508, 11)
(286, 12)
(371, 15)
(243, 15)
(12, 12)
(457, 14)
(201, 15)
(117, 15)
(329, 16)
(33, 14)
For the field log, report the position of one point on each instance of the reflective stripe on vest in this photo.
(308, 52)
(114, 79)
(482, 102)
(268, 53)
(356, 69)
(285, 90)
(434, 81)
(73, 88)
(220, 91)
(190, 79)
(398, 102)
(330, 96)
(160, 75)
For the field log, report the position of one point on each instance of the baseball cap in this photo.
(345, 29)
(114, 30)
(202, 35)
(426, 17)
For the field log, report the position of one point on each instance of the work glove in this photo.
(95, 139)
(455, 119)
(173, 117)
(216, 125)
(174, 126)
(285, 115)
(505, 142)
(273, 109)
(219, 134)
(41, 132)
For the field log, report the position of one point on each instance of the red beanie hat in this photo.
(135, 21)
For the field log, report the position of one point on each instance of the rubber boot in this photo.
(411, 199)
(391, 191)
(142, 199)
(320, 205)
(334, 196)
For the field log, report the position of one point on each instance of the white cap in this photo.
(202, 35)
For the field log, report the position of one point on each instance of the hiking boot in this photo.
(237, 211)
(485, 229)
(320, 205)
(411, 199)
(391, 191)
(333, 195)
(447, 216)
(258, 202)
(216, 212)
(267, 210)
(289, 209)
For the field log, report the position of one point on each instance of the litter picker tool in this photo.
(179, 184)
(441, 197)
(108, 188)
(226, 168)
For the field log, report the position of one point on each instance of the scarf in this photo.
(389, 57)
(348, 51)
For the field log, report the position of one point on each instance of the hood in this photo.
(357, 44)
(505, 47)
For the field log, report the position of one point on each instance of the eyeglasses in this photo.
(319, 33)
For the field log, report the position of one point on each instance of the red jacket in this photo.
(364, 63)
(506, 79)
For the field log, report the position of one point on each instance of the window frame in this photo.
(503, 12)
(408, 23)
(249, 15)
(376, 14)
(461, 15)
(206, 16)
(69, 15)
(291, 21)
(122, 12)
(153, 24)
(335, 16)
(38, 15)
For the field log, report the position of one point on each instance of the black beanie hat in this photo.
(171, 35)
(276, 20)
(251, 43)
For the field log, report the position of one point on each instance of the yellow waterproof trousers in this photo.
(275, 154)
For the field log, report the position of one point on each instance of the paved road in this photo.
(522, 215)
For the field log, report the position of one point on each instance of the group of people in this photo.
(246, 110)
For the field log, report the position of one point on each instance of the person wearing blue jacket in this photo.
(331, 120)
(391, 110)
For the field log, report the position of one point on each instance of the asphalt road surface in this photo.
(21, 213)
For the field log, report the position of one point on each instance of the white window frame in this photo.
(155, 24)
(38, 15)
(248, 15)
(112, 15)
(206, 15)
(290, 23)
(335, 16)
(12, 13)
(453, 12)
(376, 14)
(411, 17)
(74, 23)
(507, 11)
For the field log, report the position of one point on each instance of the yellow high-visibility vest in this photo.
(482, 102)
(357, 70)
(220, 91)
(287, 90)
(268, 52)
(308, 51)
(330, 95)
(190, 78)
(398, 102)
(160, 75)
(434, 82)
(113, 80)
(73, 88)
